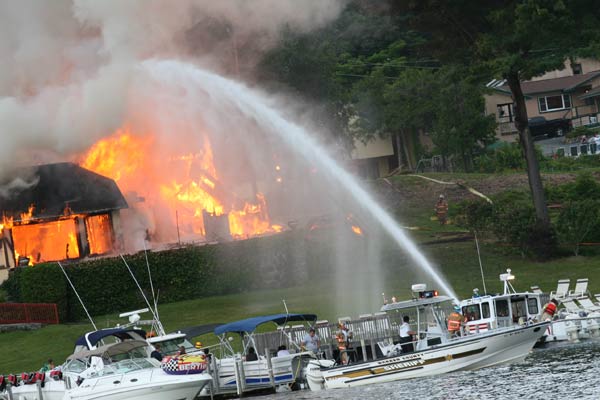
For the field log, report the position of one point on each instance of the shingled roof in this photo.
(55, 187)
(564, 84)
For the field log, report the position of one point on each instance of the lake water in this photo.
(569, 371)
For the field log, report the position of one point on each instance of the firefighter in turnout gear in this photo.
(454, 322)
(441, 210)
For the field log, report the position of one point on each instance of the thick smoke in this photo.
(68, 65)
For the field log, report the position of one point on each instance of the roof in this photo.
(52, 188)
(94, 337)
(250, 324)
(564, 84)
(415, 303)
(592, 93)
(110, 349)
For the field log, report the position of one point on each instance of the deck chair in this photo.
(587, 304)
(562, 289)
(580, 288)
(536, 289)
(571, 306)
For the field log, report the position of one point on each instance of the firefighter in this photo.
(441, 210)
(549, 310)
(454, 322)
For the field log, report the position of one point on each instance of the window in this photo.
(502, 308)
(472, 312)
(506, 112)
(485, 310)
(532, 306)
(577, 70)
(554, 103)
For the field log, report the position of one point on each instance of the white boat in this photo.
(100, 370)
(512, 308)
(436, 352)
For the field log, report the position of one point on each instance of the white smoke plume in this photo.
(68, 65)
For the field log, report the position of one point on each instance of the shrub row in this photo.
(106, 286)
(511, 218)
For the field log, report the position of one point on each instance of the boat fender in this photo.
(56, 375)
(12, 379)
(26, 378)
(2, 383)
(40, 377)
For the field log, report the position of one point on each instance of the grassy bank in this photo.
(335, 293)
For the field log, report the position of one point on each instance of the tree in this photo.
(577, 220)
(460, 127)
(517, 40)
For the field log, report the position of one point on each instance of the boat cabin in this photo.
(510, 308)
(427, 312)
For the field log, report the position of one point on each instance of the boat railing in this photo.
(368, 329)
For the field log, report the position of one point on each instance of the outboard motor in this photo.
(593, 325)
(572, 328)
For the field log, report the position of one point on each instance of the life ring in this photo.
(184, 364)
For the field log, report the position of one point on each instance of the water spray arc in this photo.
(254, 105)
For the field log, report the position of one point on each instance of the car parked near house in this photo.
(541, 128)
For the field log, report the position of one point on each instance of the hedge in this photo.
(106, 286)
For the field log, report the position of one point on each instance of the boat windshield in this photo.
(124, 367)
(171, 346)
(426, 319)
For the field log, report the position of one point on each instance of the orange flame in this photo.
(183, 184)
(357, 231)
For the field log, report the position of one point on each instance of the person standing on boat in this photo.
(311, 341)
(549, 310)
(454, 322)
(406, 334)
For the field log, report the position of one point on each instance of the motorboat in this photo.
(512, 308)
(269, 370)
(435, 350)
(113, 364)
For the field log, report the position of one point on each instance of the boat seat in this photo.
(562, 289)
(580, 288)
(587, 304)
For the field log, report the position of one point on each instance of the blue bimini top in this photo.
(250, 324)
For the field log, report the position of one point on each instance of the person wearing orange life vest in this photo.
(549, 310)
(343, 340)
(454, 322)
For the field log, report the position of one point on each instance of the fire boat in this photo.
(436, 350)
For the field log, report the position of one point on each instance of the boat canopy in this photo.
(198, 330)
(110, 349)
(250, 324)
(90, 339)
(415, 303)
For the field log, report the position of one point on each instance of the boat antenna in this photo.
(154, 298)
(159, 326)
(480, 264)
(77, 294)
(285, 306)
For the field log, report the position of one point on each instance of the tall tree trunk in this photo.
(399, 149)
(533, 168)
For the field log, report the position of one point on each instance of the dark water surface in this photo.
(569, 371)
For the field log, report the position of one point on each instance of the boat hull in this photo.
(467, 353)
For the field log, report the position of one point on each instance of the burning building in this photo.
(64, 212)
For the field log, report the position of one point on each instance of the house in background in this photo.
(64, 212)
(571, 94)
